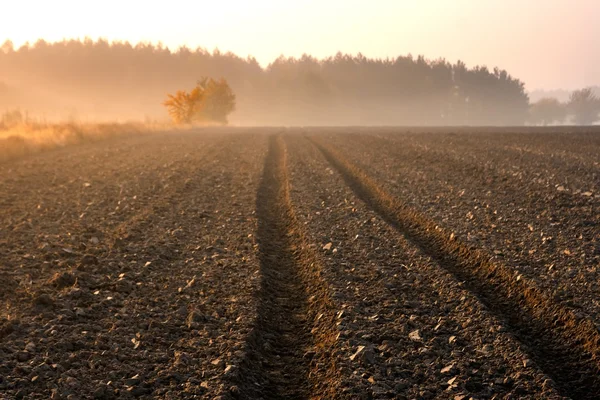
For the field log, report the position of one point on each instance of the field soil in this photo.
(317, 263)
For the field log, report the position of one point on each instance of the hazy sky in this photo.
(547, 43)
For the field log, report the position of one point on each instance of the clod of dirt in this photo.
(124, 286)
(89, 259)
(181, 358)
(63, 280)
(23, 356)
(194, 319)
(8, 283)
(415, 335)
(43, 300)
(102, 393)
(133, 381)
(7, 327)
(364, 354)
(217, 362)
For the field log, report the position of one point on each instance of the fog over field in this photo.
(98, 80)
(324, 63)
(271, 200)
(333, 263)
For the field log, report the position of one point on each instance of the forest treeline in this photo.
(581, 108)
(108, 80)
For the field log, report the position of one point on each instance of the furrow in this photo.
(291, 351)
(137, 218)
(564, 344)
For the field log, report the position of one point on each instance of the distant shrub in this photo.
(209, 102)
(585, 106)
(547, 111)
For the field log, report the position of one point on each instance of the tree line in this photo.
(582, 108)
(108, 79)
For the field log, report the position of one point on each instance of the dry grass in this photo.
(26, 138)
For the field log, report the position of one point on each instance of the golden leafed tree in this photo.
(210, 101)
(182, 106)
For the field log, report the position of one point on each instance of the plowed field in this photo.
(304, 264)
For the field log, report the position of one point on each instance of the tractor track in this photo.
(173, 277)
(564, 345)
(291, 351)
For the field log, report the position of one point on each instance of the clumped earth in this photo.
(303, 263)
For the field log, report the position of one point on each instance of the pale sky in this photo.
(548, 44)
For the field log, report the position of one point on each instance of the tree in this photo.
(218, 100)
(585, 106)
(209, 102)
(182, 106)
(547, 110)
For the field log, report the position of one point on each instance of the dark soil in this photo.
(259, 264)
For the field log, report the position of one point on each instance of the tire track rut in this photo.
(291, 351)
(565, 345)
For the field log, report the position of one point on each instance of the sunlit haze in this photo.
(280, 199)
(546, 43)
